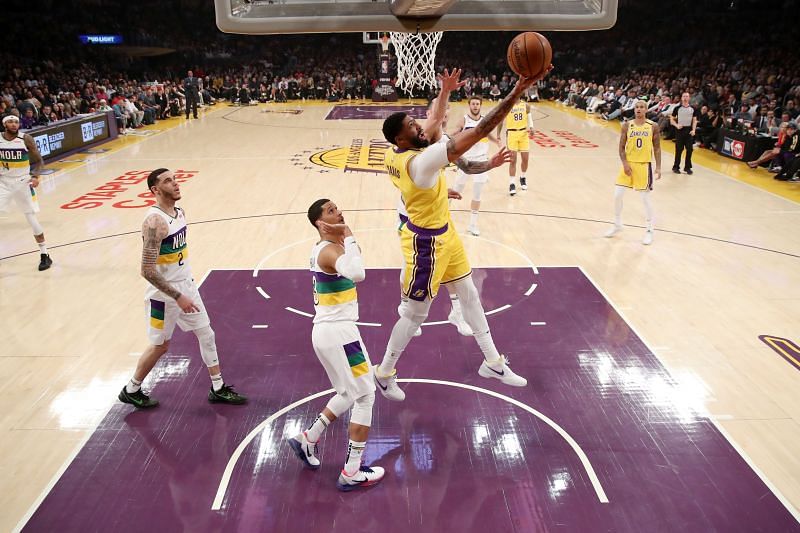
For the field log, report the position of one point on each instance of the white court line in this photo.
(530, 291)
(778, 494)
(538, 323)
(259, 326)
(263, 293)
(298, 312)
(226, 476)
(436, 323)
(369, 324)
(493, 311)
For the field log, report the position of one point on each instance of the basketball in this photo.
(529, 54)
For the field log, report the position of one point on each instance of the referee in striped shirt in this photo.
(684, 119)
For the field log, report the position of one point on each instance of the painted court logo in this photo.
(361, 156)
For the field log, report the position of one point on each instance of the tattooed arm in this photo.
(479, 167)
(154, 230)
(461, 142)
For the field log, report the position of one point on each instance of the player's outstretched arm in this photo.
(461, 142)
(479, 167)
(450, 82)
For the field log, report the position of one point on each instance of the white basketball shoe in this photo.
(363, 477)
(388, 386)
(499, 369)
(305, 450)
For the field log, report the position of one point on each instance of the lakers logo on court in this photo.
(363, 155)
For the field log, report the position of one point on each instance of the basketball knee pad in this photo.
(339, 404)
(362, 410)
(414, 310)
(34, 222)
(208, 345)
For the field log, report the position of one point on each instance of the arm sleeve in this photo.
(350, 264)
(424, 168)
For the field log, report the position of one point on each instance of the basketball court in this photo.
(663, 379)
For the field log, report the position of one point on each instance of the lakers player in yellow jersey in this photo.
(336, 267)
(519, 127)
(172, 297)
(639, 143)
(432, 248)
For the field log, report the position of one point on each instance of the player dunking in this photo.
(519, 126)
(172, 297)
(337, 266)
(433, 249)
(434, 130)
(478, 152)
(20, 164)
(639, 141)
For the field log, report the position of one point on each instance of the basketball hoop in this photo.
(415, 59)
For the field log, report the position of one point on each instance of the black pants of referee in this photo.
(683, 139)
(191, 105)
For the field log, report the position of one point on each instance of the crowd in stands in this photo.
(738, 65)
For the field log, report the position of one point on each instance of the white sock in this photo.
(133, 386)
(354, 452)
(522, 176)
(455, 303)
(315, 430)
(486, 344)
(473, 218)
(42, 248)
(512, 179)
(216, 382)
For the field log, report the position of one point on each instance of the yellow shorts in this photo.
(430, 260)
(518, 141)
(641, 178)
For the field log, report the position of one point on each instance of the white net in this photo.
(416, 53)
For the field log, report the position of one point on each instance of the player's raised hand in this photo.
(451, 80)
(500, 158)
(524, 83)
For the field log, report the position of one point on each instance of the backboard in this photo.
(340, 16)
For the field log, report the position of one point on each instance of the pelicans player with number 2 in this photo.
(172, 297)
(639, 141)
